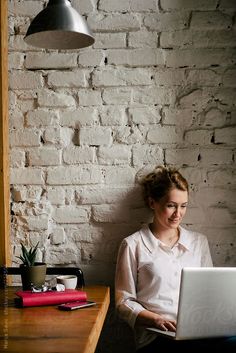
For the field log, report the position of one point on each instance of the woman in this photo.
(150, 261)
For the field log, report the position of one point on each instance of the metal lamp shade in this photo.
(59, 26)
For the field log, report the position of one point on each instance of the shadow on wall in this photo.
(117, 336)
(113, 222)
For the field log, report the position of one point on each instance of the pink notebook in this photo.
(27, 298)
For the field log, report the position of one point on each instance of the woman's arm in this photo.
(125, 284)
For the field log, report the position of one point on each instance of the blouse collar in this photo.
(151, 242)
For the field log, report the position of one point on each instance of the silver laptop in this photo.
(207, 304)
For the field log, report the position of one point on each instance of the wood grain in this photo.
(4, 141)
(48, 329)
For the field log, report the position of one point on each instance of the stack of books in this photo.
(28, 298)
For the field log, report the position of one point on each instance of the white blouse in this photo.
(148, 275)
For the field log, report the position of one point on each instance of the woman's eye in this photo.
(170, 206)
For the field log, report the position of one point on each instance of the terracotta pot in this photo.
(33, 275)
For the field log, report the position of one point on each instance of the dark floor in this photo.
(116, 336)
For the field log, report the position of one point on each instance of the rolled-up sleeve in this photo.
(125, 284)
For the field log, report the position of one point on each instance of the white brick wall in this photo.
(158, 86)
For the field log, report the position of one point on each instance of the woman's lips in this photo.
(174, 220)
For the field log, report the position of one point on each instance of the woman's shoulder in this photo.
(136, 236)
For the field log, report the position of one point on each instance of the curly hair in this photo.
(160, 181)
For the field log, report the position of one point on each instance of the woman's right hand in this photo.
(164, 324)
(149, 319)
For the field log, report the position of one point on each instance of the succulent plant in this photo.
(28, 256)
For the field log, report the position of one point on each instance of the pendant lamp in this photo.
(59, 26)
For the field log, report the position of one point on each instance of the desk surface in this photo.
(48, 329)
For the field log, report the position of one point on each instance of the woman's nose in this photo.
(177, 211)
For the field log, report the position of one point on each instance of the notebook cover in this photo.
(27, 298)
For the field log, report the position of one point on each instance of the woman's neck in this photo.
(167, 236)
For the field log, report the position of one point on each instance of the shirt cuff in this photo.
(133, 309)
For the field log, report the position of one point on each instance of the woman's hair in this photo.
(160, 181)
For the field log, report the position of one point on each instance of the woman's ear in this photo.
(151, 203)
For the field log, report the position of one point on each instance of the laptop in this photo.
(207, 304)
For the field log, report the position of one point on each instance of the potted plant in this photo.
(32, 273)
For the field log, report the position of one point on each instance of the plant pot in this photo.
(33, 275)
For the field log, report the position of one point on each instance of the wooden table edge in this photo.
(97, 328)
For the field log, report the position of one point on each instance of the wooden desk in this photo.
(48, 329)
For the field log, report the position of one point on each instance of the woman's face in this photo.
(170, 209)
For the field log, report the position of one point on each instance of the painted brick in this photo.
(82, 116)
(146, 154)
(109, 214)
(114, 155)
(116, 95)
(106, 195)
(44, 157)
(215, 117)
(30, 8)
(130, 5)
(200, 58)
(69, 79)
(25, 80)
(201, 5)
(26, 176)
(229, 78)
(136, 57)
(113, 115)
(36, 223)
(198, 39)
(129, 136)
(25, 137)
(222, 176)
(77, 155)
(216, 156)
(50, 61)
(199, 137)
(182, 156)
(57, 136)
(15, 61)
(164, 135)
(142, 39)
(73, 175)
(211, 20)
(89, 97)
(119, 175)
(71, 214)
(216, 197)
(145, 115)
(41, 117)
(26, 193)
(110, 40)
(179, 117)
(57, 236)
(53, 99)
(114, 22)
(17, 43)
(153, 95)
(17, 158)
(226, 135)
(169, 21)
(96, 58)
(121, 77)
(95, 136)
(56, 195)
(84, 6)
